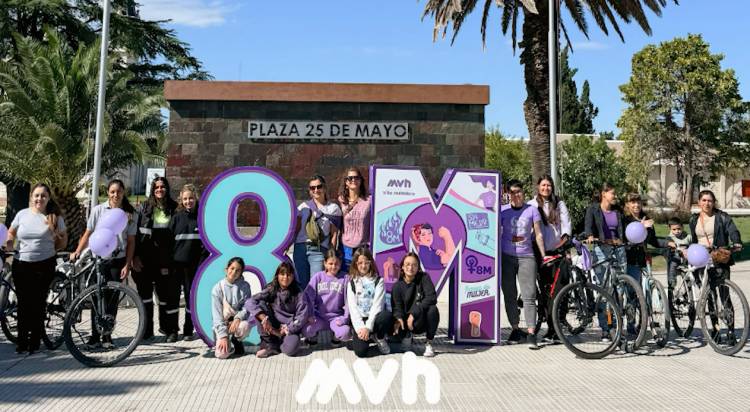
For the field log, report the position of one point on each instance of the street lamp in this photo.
(552, 46)
(100, 107)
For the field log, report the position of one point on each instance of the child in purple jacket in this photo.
(281, 309)
(326, 294)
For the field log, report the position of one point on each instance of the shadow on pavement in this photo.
(32, 392)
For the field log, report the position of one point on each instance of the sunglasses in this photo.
(315, 187)
(352, 178)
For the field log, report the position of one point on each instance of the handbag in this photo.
(720, 255)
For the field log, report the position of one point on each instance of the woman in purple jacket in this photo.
(281, 310)
(326, 294)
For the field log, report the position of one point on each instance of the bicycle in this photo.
(657, 305)
(583, 310)
(93, 332)
(718, 296)
(8, 301)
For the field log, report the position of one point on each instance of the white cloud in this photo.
(197, 13)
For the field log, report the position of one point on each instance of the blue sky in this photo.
(387, 42)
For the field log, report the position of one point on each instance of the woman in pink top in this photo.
(355, 204)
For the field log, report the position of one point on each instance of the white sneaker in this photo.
(383, 346)
(406, 342)
(428, 351)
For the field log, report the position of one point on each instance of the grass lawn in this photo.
(743, 225)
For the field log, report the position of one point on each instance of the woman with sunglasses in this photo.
(318, 222)
(355, 205)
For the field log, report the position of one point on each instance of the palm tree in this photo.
(47, 109)
(534, 47)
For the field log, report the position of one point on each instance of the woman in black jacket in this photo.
(188, 249)
(636, 255)
(414, 304)
(152, 266)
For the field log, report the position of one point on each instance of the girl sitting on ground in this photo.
(366, 301)
(414, 304)
(326, 294)
(230, 319)
(281, 310)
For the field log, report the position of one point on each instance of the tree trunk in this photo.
(535, 61)
(687, 199)
(74, 220)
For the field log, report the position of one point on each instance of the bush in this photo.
(508, 156)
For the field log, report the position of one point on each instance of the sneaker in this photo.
(188, 337)
(336, 343)
(551, 337)
(515, 336)
(428, 351)
(264, 353)
(171, 338)
(311, 342)
(605, 337)
(94, 342)
(406, 342)
(531, 341)
(107, 342)
(383, 346)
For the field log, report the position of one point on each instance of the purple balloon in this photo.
(697, 255)
(103, 242)
(114, 220)
(636, 232)
(3, 233)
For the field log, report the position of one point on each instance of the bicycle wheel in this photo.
(99, 329)
(658, 312)
(585, 317)
(8, 308)
(54, 318)
(725, 316)
(634, 312)
(682, 307)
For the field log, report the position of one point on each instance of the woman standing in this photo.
(317, 230)
(555, 230)
(39, 229)
(117, 267)
(355, 205)
(521, 225)
(188, 249)
(153, 261)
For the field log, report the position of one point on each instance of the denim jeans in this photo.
(308, 259)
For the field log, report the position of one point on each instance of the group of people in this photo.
(531, 229)
(333, 285)
(333, 288)
(160, 247)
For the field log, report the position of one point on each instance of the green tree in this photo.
(533, 44)
(509, 156)
(684, 109)
(47, 114)
(151, 51)
(585, 164)
(576, 114)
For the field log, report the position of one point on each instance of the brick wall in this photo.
(208, 137)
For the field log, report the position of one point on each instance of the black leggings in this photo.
(32, 280)
(383, 326)
(185, 273)
(110, 270)
(426, 323)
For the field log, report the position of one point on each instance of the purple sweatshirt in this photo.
(327, 296)
(289, 309)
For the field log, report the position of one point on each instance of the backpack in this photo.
(312, 229)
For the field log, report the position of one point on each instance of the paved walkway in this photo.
(185, 377)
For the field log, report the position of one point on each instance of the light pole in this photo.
(100, 107)
(552, 46)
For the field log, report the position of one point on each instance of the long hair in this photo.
(632, 197)
(125, 204)
(52, 207)
(597, 196)
(323, 189)
(401, 266)
(294, 288)
(168, 205)
(354, 272)
(188, 188)
(236, 259)
(344, 192)
(553, 217)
